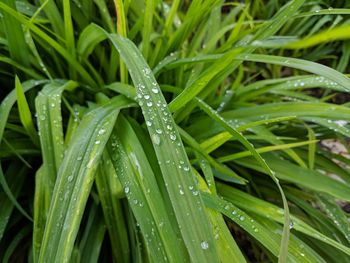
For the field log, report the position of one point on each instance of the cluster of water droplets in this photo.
(153, 107)
(332, 213)
(312, 82)
(240, 216)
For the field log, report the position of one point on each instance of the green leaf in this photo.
(188, 207)
(75, 177)
(270, 211)
(144, 196)
(24, 112)
(49, 117)
(110, 191)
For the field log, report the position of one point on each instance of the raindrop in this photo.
(102, 131)
(172, 137)
(181, 192)
(126, 190)
(241, 218)
(97, 142)
(155, 90)
(204, 245)
(70, 178)
(149, 104)
(156, 139)
(148, 123)
(291, 224)
(159, 131)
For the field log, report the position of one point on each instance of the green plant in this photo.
(180, 131)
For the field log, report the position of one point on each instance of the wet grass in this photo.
(183, 131)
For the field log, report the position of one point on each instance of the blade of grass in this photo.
(109, 191)
(227, 248)
(270, 211)
(188, 207)
(238, 155)
(49, 117)
(269, 239)
(221, 168)
(53, 14)
(74, 180)
(144, 196)
(14, 34)
(122, 31)
(334, 212)
(69, 34)
(24, 112)
(215, 116)
(92, 239)
(42, 199)
(301, 176)
(147, 27)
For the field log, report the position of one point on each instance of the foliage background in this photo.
(151, 131)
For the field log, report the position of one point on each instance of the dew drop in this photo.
(155, 90)
(126, 190)
(156, 139)
(148, 123)
(70, 178)
(159, 131)
(172, 137)
(102, 131)
(291, 224)
(204, 245)
(97, 142)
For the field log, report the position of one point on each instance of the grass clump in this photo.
(181, 131)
